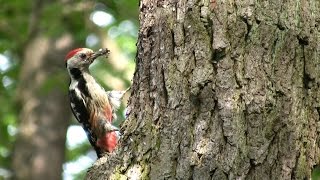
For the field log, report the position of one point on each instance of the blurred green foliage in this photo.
(315, 173)
(56, 18)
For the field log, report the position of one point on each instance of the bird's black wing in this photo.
(82, 115)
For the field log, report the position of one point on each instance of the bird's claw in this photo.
(110, 128)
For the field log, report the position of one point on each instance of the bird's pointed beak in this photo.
(100, 52)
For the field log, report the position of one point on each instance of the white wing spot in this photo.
(73, 105)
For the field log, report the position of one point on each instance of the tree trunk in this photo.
(222, 90)
(44, 115)
(40, 146)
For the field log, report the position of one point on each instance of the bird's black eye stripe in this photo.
(83, 56)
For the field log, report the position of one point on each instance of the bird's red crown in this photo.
(72, 53)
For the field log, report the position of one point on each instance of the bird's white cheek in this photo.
(73, 62)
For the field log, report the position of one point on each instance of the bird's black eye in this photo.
(83, 56)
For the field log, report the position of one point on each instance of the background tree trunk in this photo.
(40, 147)
(222, 90)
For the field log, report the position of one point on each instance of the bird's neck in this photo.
(83, 75)
(77, 73)
(81, 79)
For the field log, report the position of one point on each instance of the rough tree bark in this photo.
(40, 147)
(222, 90)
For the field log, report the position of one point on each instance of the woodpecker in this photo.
(91, 105)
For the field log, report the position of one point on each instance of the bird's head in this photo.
(80, 58)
